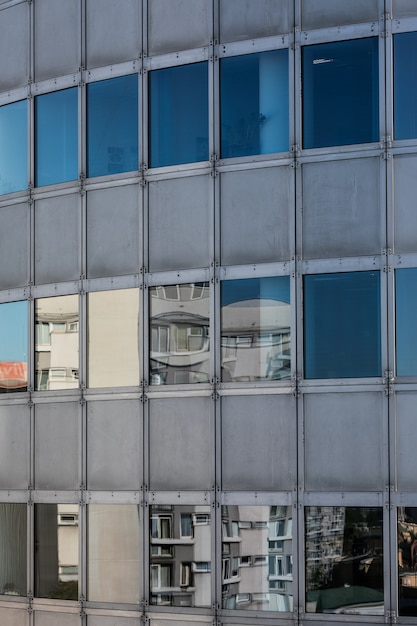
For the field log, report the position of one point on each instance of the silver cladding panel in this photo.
(404, 8)
(406, 440)
(57, 36)
(255, 215)
(259, 442)
(177, 25)
(14, 246)
(179, 223)
(14, 46)
(113, 231)
(57, 258)
(114, 445)
(113, 31)
(14, 447)
(45, 618)
(342, 208)
(101, 620)
(57, 445)
(324, 14)
(14, 617)
(243, 19)
(344, 441)
(405, 193)
(179, 443)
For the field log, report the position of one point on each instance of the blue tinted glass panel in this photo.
(256, 329)
(342, 325)
(178, 115)
(13, 346)
(56, 138)
(254, 104)
(406, 327)
(405, 86)
(112, 126)
(340, 93)
(13, 147)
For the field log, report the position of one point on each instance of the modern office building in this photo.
(208, 303)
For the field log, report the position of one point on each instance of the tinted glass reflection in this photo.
(344, 560)
(112, 126)
(56, 551)
(178, 109)
(13, 546)
(340, 93)
(405, 326)
(56, 137)
(180, 555)
(13, 346)
(257, 558)
(342, 324)
(13, 147)
(256, 320)
(113, 553)
(56, 343)
(254, 104)
(405, 86)
(407, 560)
(113, 349)
(179, 351)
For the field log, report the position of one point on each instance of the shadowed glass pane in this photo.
(56, 137)
(405, 321)
(405, 86)
(178, 109)
(13, 546)
(342, 325)
(340, 93)
(112, 126)
(13, 147)
(407, 560)
(13, 346)
(254, 104)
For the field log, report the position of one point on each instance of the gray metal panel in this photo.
(113, 31)
(405, 440)
(244, 19)
(404, 8)
(179, 223)
(322, 13)
(178, 24)
(112, 231)
(57, 239)
(258, 442)
(405, 193)
(14, 46)
(49, 618)
(344, 437)
(14, 245)
(57, 445)
(57, 38)
(112, 620)
(14, 446)
(341, 208)
(14, 617)
(255, 215)
(114, 445)
(180, 443)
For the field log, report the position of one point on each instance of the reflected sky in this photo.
(14, 331)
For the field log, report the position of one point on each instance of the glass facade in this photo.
(405, 89)
(13, 147)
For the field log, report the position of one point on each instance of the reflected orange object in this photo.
(13, 374)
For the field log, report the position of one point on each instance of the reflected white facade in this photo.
(208, 279)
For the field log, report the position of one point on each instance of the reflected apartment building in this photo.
(208, 293)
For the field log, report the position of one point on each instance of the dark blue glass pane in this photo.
(112, 126)
(340, 93)
(56, 138)
(178, 115)
(342, 325)
(405, 86)
(405, 321)
(254, 104)
(13, 147)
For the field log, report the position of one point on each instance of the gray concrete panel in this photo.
(259, 442)
(255, 215)
(405, 193)
(14, 446)
(14, 46)
(114, 445)
(323, 14)
(14, 246)
(244, 19)
(178, 25)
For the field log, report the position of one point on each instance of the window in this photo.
(13, 147)
(13, 533)
(56, 137)
(406, 329)
(185, 572)
(340, 93)
(112, 126)
(13, 346)
(160, 576)
(178, 115)
(256, 320)
(405, 86)
(254, 104)
(186, 525)
(342, 325)
(161, 527)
